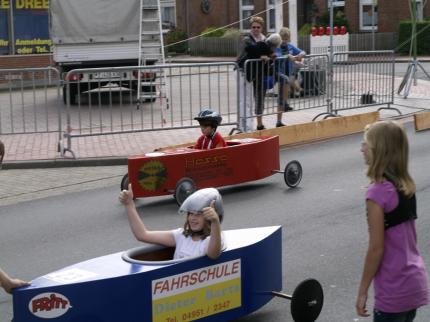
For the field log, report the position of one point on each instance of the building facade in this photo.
(385, 16)
(24, 23)
(194, 16)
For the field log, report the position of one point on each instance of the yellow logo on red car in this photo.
(152, 175)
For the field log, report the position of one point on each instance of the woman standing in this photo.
(250, 83)
(393, 261)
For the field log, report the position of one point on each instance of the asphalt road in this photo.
(324, 225)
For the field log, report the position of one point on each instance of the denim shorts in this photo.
(379, 316)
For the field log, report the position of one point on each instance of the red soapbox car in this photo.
(181, 171)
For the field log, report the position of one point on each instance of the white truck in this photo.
(93, 34)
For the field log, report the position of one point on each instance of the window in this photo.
(419, 4)
(168, 14)
(336, 4)
(270, 15)
(368, 18)
(246, 10)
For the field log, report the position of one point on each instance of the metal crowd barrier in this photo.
(306, 81)
(29, 101)
(172, 95)
(104, 100)
(364, 78)
(354, 80)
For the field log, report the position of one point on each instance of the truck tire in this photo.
(149, 89)
(146, 89)
(73, 92)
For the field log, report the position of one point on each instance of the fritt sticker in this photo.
(49, 305)
(196, 294)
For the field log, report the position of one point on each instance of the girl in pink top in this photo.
(393, 261)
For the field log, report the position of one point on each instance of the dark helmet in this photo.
(208, 116)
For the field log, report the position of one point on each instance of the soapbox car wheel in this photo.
(124, 182)
(184, 188)
(307, 301)
(293, 174)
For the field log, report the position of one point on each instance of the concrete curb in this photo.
(422, 121)
(64, 163)
(307, 132)
(288, 135)
(318, 130)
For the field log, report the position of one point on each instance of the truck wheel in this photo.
(73, 92)
(145, 90)
(150, 89)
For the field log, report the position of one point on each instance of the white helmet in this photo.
(200, 199)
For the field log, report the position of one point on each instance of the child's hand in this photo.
(210, 214)
(126, 196)
(360, 305)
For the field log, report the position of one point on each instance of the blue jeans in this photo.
(379, 316)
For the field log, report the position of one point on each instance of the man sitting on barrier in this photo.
(210, 138)
(287, 72)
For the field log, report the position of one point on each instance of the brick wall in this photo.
(321, 5)
(352, 14)
(390, 12)
(25, 61)
(222, 12)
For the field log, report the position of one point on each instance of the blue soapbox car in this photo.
(145, 284)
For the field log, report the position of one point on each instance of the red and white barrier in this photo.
(320, 41)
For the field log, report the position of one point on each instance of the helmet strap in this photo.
(211, 135)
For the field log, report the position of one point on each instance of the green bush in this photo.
(339, 20)
(172, 38)
(232, 33)
(405, 36)
(305, 30)
(213, 32)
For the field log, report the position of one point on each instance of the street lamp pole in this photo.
(11, 28)
(373, 25)
(330, 65)
(292, 20)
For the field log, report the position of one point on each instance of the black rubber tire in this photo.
(73, 93)
(307, 301)
(124, 182)
(184, 188)
(293, 173)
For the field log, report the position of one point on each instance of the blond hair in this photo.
(256, 19)
(388, 152)
(285, 33)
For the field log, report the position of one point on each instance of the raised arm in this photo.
(215, 243)
(164, 237)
